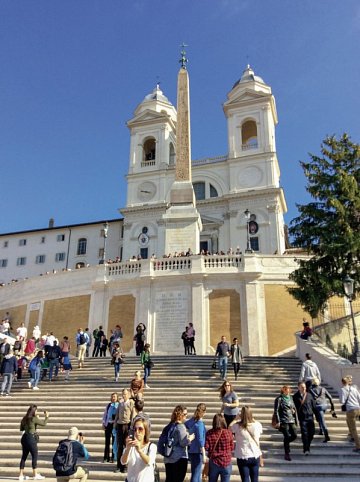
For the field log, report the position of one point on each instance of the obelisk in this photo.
(182, 220)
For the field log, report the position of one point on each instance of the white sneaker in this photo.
(21, 477)
(29, 384)
(38, 477)
(36, 388)
(147, 386)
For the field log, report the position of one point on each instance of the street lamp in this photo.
(349, 292)
(248, 244)
(105, 234)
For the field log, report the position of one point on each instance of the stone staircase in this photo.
(174, 380)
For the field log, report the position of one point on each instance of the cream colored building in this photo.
(241, 295)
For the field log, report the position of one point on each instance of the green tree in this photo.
(328, 228)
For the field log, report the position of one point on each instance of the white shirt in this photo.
(246, 447)
(22, 331)
(138, 471)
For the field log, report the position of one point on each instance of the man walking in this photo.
(8, 371)
(309, 371)
(81, 342)
(305, 407)
(223, 351)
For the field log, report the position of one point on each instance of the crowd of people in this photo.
(184, 441)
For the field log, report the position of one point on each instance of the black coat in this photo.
(305, 410)
(285, 410)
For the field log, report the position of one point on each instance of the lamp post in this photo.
(105, 231)
(349, 292)
(248, 244)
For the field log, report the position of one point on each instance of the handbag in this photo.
(36, 437)
(274, 422)
(213, 366)
(343, 406)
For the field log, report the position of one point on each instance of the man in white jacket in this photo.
(309, 370)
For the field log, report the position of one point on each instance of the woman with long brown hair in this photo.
(29, 439)
(219, 444)
(230, 402)
(247, 433)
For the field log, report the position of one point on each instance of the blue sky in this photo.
(73, 72)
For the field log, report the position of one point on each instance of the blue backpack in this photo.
(165, 445)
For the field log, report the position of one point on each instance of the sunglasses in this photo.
(139, 429)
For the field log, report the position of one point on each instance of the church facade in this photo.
(232, 281)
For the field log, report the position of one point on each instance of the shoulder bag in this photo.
(343, 406)
(205, 472)
(261, 462)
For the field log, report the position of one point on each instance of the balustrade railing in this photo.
(226, 261)
(171, 264)
(121, 269)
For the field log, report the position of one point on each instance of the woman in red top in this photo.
(219, 445)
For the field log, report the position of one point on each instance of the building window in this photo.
(42, 240)
(149, 153)
(59, 257)
(199, 190)
(81, 249)
(22, 242)
(144, 253)
(101, 253)
(213, 191)
(3, 263)
(60, 237)
(254, 243)
(6, 244)
(40, 259)
(21, 261)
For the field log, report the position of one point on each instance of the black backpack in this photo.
(63, 460)
(165, 445)
(82, 339)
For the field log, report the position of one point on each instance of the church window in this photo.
(149, 152)
(254, 243)
(213, 191)
(81, 249)
(60, 237)
(249, 135)
(6, 244)
(199, 190)
(171, 155)
(144, 253)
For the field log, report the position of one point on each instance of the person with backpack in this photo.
(30, 438)
(81, 342)
(173, 444)
(66, 455)
(54, 355)
(35, 370)
(139, 454)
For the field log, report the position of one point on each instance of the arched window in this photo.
(81, 249)
(171, 155)
(199, 190)
(213, 191)
(249, 135)
(149, 150)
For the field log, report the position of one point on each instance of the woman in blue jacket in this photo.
(196, 450)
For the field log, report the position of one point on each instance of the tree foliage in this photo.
(328, 228)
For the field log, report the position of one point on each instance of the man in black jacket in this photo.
(8, 370)
(54, 355)
(305, 407)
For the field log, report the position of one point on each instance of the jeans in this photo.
(216, 470)
(122, 431)
(196, 462)
(289, 432)
(35, 377)
(53, 364)
(7, 383)
(223, 366)
(29, 445)
(320, 417)
(307, 428)
(117, 367)
(176, 471)
(249, 469)
(147, 372)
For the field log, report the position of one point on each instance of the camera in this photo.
(131, 435)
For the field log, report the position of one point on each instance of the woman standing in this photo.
(247, 433)
(35, 370)
(236, 356)
(108, 425)
(176, 464)
(140, 338)
(146, 362)
(285, 414)
(320, 394)
(230, 402)
(124, 414)
(30, 438)
(139, 454)
(219, 444)
(196, 450)
(350, 398)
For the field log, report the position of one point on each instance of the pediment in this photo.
(245, 96)
(208, 221)
(149, 116)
